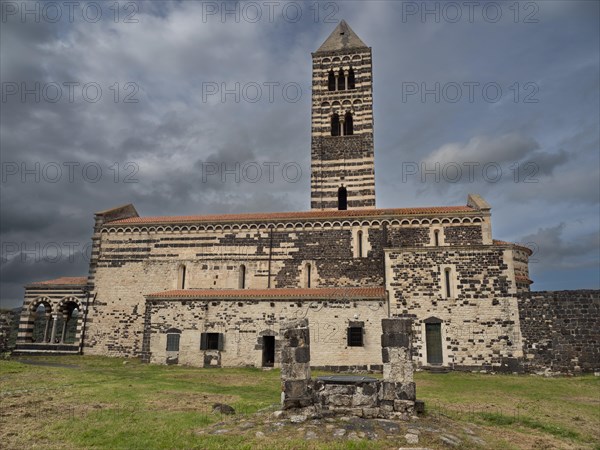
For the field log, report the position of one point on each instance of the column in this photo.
(54, 321)
(398, 391)
(47, 328)
(64, 329)
(295, 365)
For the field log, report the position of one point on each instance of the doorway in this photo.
(433, 337)
(268, 355)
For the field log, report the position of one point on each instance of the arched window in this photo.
(341, 80)
(342, 199)
(335, 125)
(359, 242)
(331, 81)
(41, 323)
(351, 79)
(242, 284)
(348, 124)
(436, 236)
(307, 275)
(181, 277)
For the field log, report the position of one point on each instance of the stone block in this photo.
(299, 337)
(406, 391)
(402, 325)
(395, 340)
(368, 388)
(370, 413)
(296, 388)
(295, 371)
(302, 354)
(404, 406)
(340, 400)
(419, 406)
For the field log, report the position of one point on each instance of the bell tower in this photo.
(342, 153)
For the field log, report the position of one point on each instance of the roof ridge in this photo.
(338, 293)
(294, 214)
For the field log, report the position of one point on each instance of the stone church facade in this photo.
(212, 290)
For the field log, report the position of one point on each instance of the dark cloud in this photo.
(171, 54)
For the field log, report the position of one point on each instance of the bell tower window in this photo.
(331, 81)
(341, 80)
(351, 79)
(335, 125)
(348, 124)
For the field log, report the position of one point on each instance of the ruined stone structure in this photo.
(212, 290)
(392, 397)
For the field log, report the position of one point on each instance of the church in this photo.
(213, 290)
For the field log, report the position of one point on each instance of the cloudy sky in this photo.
(103, 106)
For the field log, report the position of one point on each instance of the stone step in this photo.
(436, 369)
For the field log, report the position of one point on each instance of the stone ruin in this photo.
(392, 397)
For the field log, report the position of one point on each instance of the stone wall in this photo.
(245, 323)
(561, 330)
(132, 261)
(479, 321)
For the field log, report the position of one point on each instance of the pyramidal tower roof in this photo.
(342, 38)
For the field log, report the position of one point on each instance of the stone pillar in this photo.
(54, 322)
(398, 391)
(295, 365)
(47, 327)
(64, 329)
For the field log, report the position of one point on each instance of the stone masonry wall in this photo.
(561, 330)
(244, 323)
(131, 264)
(479, 321)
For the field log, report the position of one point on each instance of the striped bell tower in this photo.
(342, 153)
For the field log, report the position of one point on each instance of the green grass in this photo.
(113, 403)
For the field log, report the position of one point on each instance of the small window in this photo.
(211, 341)
(181, 277)
(307, 275)
(242, 283)
(359, 238)
(447, 282)
(436, 236)
(355, 336)
(173, 342)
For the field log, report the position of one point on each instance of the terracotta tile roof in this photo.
(334, 214)
(62, 281)
(271, 294)
(522, 247)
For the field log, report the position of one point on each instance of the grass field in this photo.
(93, 402)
